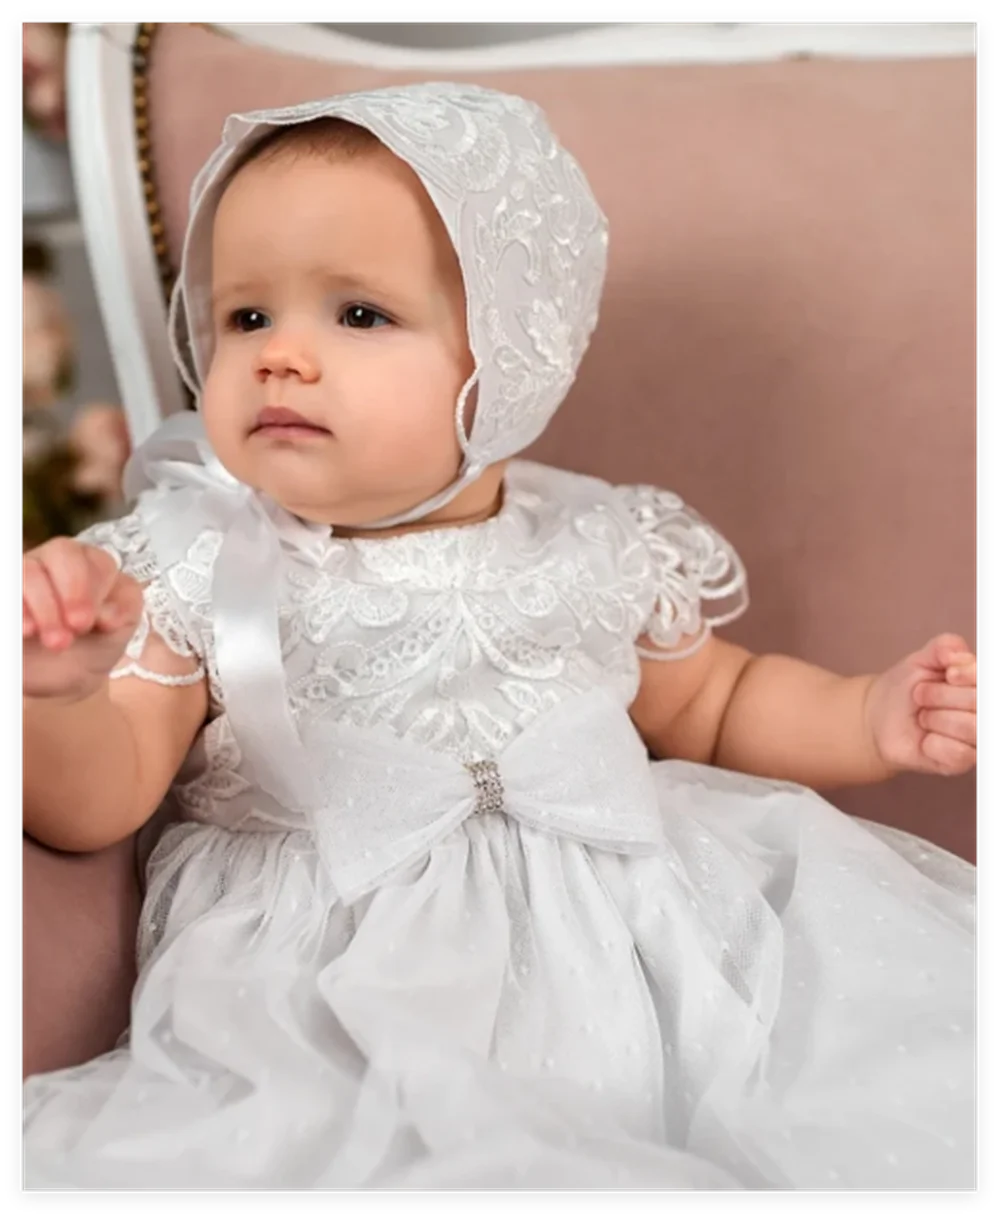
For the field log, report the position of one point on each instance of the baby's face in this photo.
(337, 299)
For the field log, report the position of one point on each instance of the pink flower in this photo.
(100, 438)
(43, 97)
(47, 342)
(43, 44)
(43, 63)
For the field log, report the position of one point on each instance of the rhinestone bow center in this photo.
(489, 786)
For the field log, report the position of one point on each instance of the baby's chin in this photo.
(320, 493)
(341, 514)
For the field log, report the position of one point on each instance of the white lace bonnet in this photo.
(530, 238)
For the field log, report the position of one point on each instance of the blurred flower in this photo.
(71, 473)
(49, 504)
(47, 343)
(99, 438)
(43, 61)
(36, 443)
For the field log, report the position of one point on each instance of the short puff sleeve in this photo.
(165, 648)
(697, 580)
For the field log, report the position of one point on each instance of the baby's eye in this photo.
(248, 320)
(358, 316)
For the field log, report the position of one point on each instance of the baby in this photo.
(424, 911)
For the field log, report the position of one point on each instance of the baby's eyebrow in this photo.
(229, 289)
(364, 284)
(346, 280)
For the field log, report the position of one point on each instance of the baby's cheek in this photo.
(411, 444)
(431, 429)
(213, 404)
(213, 414)
(421, 408)
(226, 434)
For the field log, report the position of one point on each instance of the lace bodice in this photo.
(457, 638)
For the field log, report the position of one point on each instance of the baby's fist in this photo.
(79, 613)
(922, 712)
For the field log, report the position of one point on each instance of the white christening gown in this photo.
(510, 951)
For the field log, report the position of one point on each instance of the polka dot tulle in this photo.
(742, 1010)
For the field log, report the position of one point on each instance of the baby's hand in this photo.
(79, 613)
(922, 712)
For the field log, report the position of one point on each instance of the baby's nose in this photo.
(284, 356)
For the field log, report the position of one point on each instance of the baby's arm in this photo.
(99, 753)
(778, 717)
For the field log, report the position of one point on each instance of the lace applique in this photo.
(528, 699)
(512, 646)
(360, 665)
(382, 711)
(126, 540)
(421, 114)
(191, 578)
(324, 599)
(464, 728)
(219, 780)
(134, 670)
(699, 580)
(190, 584)
(440, 560)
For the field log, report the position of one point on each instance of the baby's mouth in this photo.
(279, 422)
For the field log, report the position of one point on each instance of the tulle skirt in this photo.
(783, 998)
